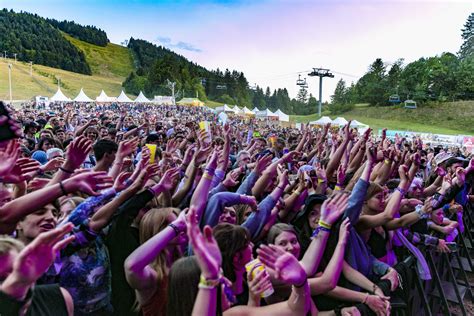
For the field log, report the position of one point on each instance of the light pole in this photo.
(31, 68)
(321, 73)
(10, 81)
(15, 56)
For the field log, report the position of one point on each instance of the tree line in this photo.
(32, 38)
(447, 77)
(87, 33)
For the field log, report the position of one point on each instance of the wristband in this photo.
(402, 191)
(208, 284)
(297, 193)
(318, 229)
(283, 189)
(365, 299)
(65, 170)
(175, 228)
(338, 187)
(61, 186)
(321, 181)
(207, 176)
(40, 172)
(324, 224)
(386, 161)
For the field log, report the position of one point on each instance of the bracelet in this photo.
(297, 193)
(61, 186)
(207, 176)
(338, 187)
(283, 189)
(210, 170)
(324, 224)
(318, 229)
(402, 191)
(40, 172)
(386, 161)
(65, 170)
(175, 228)
(365, 299)
(321, 181)
(208, 284)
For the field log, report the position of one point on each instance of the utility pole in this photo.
(321, 73)
(5, 56)
(31, 68)
(171, 85)
(15, 57)
(10, 81)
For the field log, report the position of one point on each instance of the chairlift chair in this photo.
(221, 87)
(395, 98)
(410, 104)
(300, 82)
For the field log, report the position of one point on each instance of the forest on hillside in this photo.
(87, 33)
(32, 38)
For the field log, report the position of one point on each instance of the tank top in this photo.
(378, 243)
(156, 306)
(47, 300)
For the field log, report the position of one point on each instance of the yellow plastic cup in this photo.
(252, 268)
(152, 148)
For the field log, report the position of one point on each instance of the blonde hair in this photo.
(8, 243)
(153, 222)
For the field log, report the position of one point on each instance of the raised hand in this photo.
(37, 257)
(205, 247)
(231, 179)
(21, 170)
(89, 182)
(77, 152)
(8, 156)
(283, 180)
(371, 154)
(333, 207)
(262, 163)
(127, 147)
(259, 284)
(168, 179)
(282, 265)
(201, 154)
(119, 183)
(341, 174)
(249, 200)
(344, 231)
(403, 173)
(53, 164)
(37, 183)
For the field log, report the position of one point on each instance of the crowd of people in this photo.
(138, 210)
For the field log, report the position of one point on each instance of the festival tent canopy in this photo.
(141, 98)
(225, 108)
(322, 121)
(255, 110)
(190, 101)
(165, 100)
(266, 113)
(339, 121)
(358, 124)
(123, 98)
(103, 97)
(59, 97)
(82, 97)
(237, 110)
(282, 116)
(247, 111)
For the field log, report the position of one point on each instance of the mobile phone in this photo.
(452, 246)
(6, 132)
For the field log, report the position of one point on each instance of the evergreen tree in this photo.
(302, 95)
(467, 47)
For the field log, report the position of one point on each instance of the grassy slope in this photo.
(110, 65)
(447, 118)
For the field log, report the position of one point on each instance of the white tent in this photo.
(141, 98)
(282, 116)
(103, 97)
(59, 97)
(225, 108)
(164, 100)
(358, 124)
(82, 97)
(238, 110)
(123, 98)
(322, 121)
(266, 113)
(339, 121)
(247, 111)
(255, 110)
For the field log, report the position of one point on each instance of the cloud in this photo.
(166, 41)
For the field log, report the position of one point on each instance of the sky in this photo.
(273, 41)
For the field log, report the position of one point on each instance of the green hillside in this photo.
(44, 82)
(112, 61)
(444, 118)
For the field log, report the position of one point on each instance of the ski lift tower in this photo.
(321, 73)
